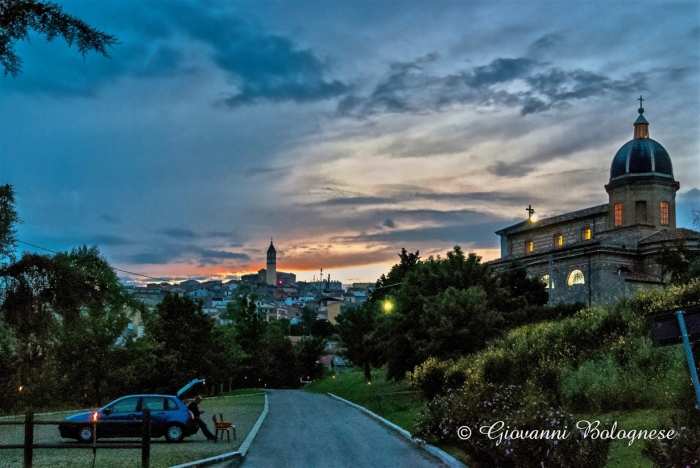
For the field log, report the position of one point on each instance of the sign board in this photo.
(666, 331)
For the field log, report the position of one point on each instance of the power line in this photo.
(115, 269)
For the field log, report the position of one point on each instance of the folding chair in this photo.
(223, 426)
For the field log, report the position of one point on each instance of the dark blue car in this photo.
(169, 418)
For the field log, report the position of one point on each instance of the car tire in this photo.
(174, 433)
(84, 434)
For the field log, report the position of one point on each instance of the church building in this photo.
(599, 254)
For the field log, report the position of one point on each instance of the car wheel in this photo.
(174, 433)
(85, 434)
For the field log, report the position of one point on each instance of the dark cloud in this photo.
(179, 233)
(476, 234)
(260, 171)
(411, 87)
(162, 254)
(345, 201)
(560, 86)
(509, 170)
(409, 195)
(109, 239)
(499, 71)
(545, 43)
(261, 66)
(389, 223)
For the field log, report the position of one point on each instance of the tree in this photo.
(322, 329)
(8, 221)
(67, 311)
(96, 311)
(447, 307)
(356, 328)
(308, 318)
(186, 349)
(19, 17)
(307, 352)
(679, 262)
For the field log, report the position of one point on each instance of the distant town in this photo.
(278, 294)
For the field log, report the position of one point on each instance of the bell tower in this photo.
(271, 273)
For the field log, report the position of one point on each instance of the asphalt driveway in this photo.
(308, 430)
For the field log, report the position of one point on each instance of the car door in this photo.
(124, 409)
(158, 413)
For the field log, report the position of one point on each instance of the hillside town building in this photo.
(599, 254)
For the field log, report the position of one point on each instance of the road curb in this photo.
(238, 454)
(445, 457)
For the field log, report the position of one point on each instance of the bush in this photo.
(429, 377)
(515, 410)
(612, 381)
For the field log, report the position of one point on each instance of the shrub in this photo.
(513, 408)
(429, 377)
(434, 377)
(612, 381)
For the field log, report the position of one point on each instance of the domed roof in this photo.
(641, 156)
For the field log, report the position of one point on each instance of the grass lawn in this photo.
(242, 409)
(391, 400)
(622, 455)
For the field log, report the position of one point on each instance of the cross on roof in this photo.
(641, 109)
(530, 211)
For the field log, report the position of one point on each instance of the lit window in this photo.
(558, 240)
(618, 214)
(545, 280)
(575, 277)
(529, 246)
(586, 234)
(664, 213)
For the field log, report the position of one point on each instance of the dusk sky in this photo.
(346, 130)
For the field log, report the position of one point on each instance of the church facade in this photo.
(599, 254)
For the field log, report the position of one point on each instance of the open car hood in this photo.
(192, 383)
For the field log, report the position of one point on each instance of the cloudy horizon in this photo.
(343, 130)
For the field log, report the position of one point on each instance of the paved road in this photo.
(308, 430)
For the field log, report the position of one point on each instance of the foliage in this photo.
(356, 327)
(449, 307)
(9, 361)
(322, 329)
(514, 409)
(19, 17)
(185, 348)
(8, 221)
(67, 310)
(679, 262)
(307, 352)
(308, 318)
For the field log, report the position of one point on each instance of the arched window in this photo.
(575, 277)
(545, 280)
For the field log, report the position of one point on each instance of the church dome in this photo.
(641, 156)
